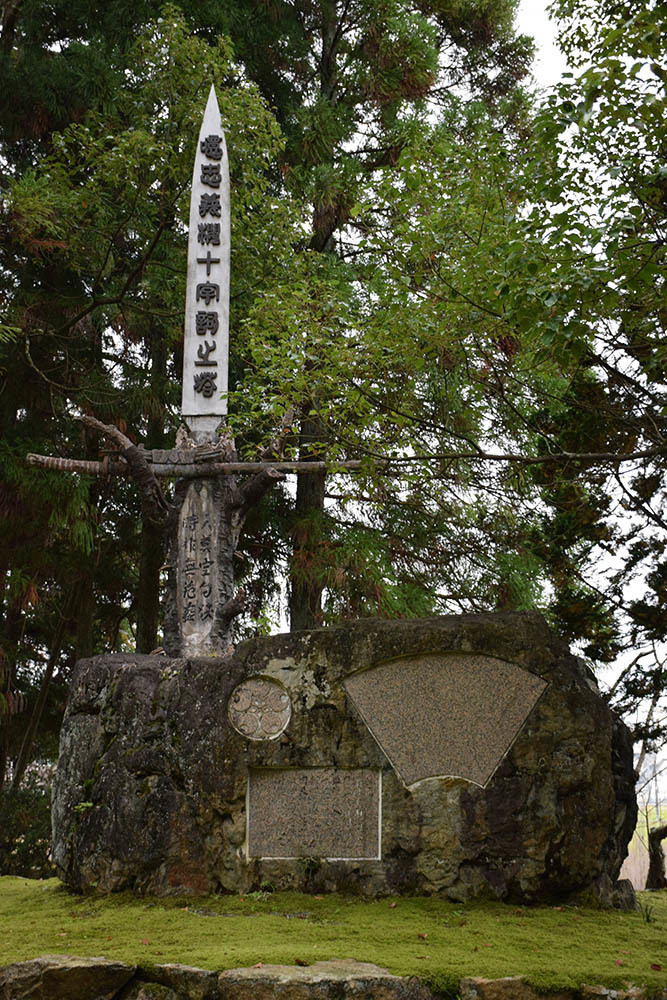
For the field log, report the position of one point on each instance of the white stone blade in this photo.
(206, 346)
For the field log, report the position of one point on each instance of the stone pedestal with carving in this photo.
(204, 535)
(460, 756)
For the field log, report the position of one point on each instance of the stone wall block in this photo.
(67, 977)
(185, 982)
(334, 980)
(511, 988)
(64, 977)
(632, 993)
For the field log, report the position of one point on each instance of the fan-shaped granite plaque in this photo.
(438, 715)
(315, 812)
(260, 709)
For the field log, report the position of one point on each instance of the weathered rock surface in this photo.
(632, 993)
(54, 976)
(64, 977)
(338, 978)
(151, 791)
(172, 982)
(511, 988)
(514, 988)
(187, 981)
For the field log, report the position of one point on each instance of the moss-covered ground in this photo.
(439, 941)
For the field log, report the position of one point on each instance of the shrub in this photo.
(25, 832)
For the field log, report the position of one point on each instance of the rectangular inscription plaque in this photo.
(319, 812)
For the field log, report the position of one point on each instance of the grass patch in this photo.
(552, 947)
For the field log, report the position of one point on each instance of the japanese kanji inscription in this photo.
(206, 344)
(197, 568)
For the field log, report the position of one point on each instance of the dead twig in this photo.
(156, 505)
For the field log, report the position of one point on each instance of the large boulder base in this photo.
(151, 788)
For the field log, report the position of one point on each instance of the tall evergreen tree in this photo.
(354, 83)
(93, 267)
(390, 291)
(351, 83)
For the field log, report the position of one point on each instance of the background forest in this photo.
(433, 271)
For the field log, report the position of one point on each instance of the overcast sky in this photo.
(532, 20)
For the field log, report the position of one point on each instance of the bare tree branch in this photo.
(649, 717)
(624, 673)
(157, 507)
(233, 607)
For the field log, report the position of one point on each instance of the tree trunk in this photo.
(306, 576)
(306, 579)
(4, 687)
(152, 544)
(10, 641)
(84, 610)
(85, 605)
(4, 749)
(148, 590)
(656, 859)
(306, 585)
(35, 718)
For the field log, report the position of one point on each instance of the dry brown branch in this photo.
(190, 471)
(253, 489)
(156, 506)
(233, 607)
(108, 467)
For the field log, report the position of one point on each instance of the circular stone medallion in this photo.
(260, 709)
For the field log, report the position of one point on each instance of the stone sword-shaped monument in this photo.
(204, 523)
(459, 756)
(206, 347)
(200, 583)
(209, 511)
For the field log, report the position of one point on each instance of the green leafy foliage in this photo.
(520, 283)
(25, 833)
(429, 276)
(94, 276)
